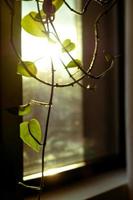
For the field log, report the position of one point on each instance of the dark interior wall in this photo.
(10, 98)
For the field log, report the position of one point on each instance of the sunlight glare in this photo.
(54, 171)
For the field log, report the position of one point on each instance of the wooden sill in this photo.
(97, 188)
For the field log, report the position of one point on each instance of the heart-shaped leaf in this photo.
(24, 110)
(40, 16)
(31, 134)
(74, 63)
(68, 45)
(33, 26)
(21, 68)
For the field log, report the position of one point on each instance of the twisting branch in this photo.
(96, 42)
(104, 72)
(42, 103)
(96, 36)
(71, 76)
(103, 2)
(49, 10)
(47, 121)
(77, 64)
(77, 12)
(85, 73)
(19, 56)
(23, 63)
(29, 186)
(46, 129)
(96, 33)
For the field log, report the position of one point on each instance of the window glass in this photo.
(83, 124)
(65, 143)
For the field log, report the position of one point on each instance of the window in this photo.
(102, 111)
(65, 144)
(85, 125)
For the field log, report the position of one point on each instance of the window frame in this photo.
(114, 161)
(120, 158)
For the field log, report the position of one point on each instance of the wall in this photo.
(10, 98)
(129, 90)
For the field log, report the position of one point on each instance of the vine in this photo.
(43, 26)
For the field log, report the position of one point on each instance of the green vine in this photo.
(41, 24)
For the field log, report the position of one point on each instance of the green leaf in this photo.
(68, 45)
(33, 26)
(40, 15)
(57, 3)
(24, 110)
(35, 129)
(30, 131)
(74, 63)
(29, 65)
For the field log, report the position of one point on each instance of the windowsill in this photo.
(90, 188)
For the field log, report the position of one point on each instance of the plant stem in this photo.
(47, 122)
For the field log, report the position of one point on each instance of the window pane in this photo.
(84, 125)
(65, 144)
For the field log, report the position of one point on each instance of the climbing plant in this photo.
(41, 24)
